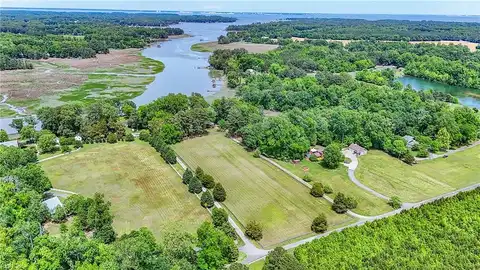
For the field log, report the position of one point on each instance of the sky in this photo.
(471, 7)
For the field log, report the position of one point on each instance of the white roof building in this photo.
(13, 143)
(52, 203)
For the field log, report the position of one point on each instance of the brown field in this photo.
(250, 47)
(471, 45)
(110, 60)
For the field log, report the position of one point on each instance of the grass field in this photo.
(368, 204)
(392, 177)
(256, 190)
(143, 189)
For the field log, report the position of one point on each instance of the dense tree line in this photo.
(441, 234)
(43, 34)
(89, 241)
(356, 29)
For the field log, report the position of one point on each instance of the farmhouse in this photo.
(357, 149)
(13, 143)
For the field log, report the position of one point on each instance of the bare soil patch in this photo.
(471, 45)
(250, 47)
(110, 60)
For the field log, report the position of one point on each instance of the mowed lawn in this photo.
(143, 189)
(257, 190)
(368, 204)
(392, 177)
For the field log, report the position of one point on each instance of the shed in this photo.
(13, 143)
(357, 149)
(410, 141)
(52, 203)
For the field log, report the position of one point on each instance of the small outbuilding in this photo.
(78, 138)
(316, 151)
(357, 149)
(52, 203)
(13, 143)
(410, 141)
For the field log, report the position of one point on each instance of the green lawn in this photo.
(392, 177)
(368, 204)
(257, 190)
(143, 189)
(258, 265)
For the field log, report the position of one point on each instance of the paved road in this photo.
(434, 156)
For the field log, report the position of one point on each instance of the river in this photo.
(461, 93)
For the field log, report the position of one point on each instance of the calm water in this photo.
(460, 92)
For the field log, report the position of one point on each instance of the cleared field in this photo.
(392, 177)
(368, 204)
(143, 189)
(256, 190)
(250, 47)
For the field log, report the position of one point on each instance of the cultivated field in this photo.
(256, 190)
(143, 189)
(392, 177)
(250, 47)
(368, 204)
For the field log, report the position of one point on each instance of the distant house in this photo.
(410, 140)
(357, 149)
(52, 203)
(10, 143)
(316, 151)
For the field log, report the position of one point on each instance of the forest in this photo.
(441, 235)
(39, 34)
(354, 29)
(322, 104)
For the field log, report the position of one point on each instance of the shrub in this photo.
(194, 186)
(313, 158)
(219, 216)
(129, 137)
(280, 259)
(219, 193)
(77, 144)
(3, 136)
(46, 143)
(222, 124)
(144, 135)
(409, 158)
(65, 149)
(317, 190)
(207, 199)
(187, 176)
(169, 156)
(395, 202)
(422, 152)
(238, 266)
(254, 230)
(327, 189)
(257, 153)
(319, 224)
(207, 181)
(66, 141)
(59, 214)
(307, 178)
(112, 138)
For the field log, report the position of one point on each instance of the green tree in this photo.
(144, 135)
(207, 181)
(444, 139)
(254, 230)
(317, 190)
(395, 202)
(187, 176)
(217, 249)
(342, 203)
(332, 155)
(3, 136)
(32, 177)
(59, 215)
(17, 124)
(219, 216)
(409, 158)
(279, 259)
(219, 193)
(327, 189)
(129, 137)
(112, 138)
(399, 148)
(319, 224)
(195, 186)
(206, 199)
(199, 172)
(27, 133)
(46, 143)
(238, 266)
